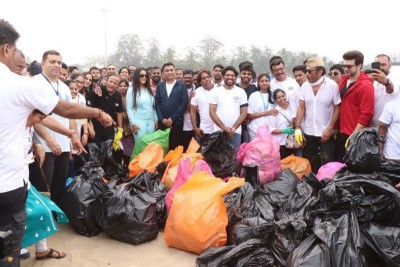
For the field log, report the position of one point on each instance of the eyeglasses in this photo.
(77, 81)
(278, 70)
(142, 75)
(347, 66)
(310, 70)
(334, 73)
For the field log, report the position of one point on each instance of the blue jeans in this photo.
(235, 141)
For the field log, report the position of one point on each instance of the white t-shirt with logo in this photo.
(228, 104)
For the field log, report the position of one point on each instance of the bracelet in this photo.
(101, 112)
(48, 139)
(71, 132)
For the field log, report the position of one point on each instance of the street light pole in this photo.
(105, 10)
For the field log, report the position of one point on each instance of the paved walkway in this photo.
(102, 251)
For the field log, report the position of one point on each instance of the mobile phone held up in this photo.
(376, 65)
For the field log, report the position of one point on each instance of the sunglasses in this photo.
(334, 73)
(347, 66)
(310, 70)
(142, 75)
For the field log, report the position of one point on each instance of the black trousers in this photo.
(12, 218)
(318, 153)
(187, 136)
(340, 150)
(175, 135)
(56, 169)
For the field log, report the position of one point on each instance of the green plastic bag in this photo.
(160, 137)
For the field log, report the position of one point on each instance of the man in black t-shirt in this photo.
(246, 75)
(109, 100)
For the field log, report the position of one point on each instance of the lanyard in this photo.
(265, 106)
(55, 90)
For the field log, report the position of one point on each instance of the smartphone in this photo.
(376, 65)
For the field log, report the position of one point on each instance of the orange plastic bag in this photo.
(148, 159)
(173, 171)
(173, 156)
(198, 218)
(300, 166)
(193, 146)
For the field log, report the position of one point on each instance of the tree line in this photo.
(132, 50)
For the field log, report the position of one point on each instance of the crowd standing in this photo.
(320, 108)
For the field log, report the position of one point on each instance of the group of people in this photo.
(61, 110)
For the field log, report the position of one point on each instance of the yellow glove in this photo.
(117, 139)
(347, 143)
(298, 136)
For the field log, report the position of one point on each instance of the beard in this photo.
(156, 79)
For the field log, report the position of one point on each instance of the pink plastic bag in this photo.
(262, 151)
(187, 167)
(329, 170)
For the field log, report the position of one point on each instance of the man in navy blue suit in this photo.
(171, 103)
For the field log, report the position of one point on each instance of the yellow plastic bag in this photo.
(148, 159)
(198, 219)
(300, 166)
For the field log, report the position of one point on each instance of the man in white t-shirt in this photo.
(19, 97)
(319, 106)
(228, 107)
(385, 89)
(201, 102)
(389, 130)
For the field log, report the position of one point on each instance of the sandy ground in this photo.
(102, 251)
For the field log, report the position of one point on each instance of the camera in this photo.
(5, 244)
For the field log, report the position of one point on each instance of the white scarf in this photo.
(321, 80)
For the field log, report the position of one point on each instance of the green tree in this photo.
(169, 55)
(153, 55)
(210, 49)
(129, 50)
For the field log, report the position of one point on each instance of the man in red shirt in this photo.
(357, 94)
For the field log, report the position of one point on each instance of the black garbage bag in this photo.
(128, 213)
(253, 252)
(240, 204)
(384, 241)
(390, 167)
(265, 209)
(212, 256)
(251, 176)
(249, 228)
(153, 183)
(220, 155)
(79, 198)
(300, 201)
(371, 198)
(279, 190)
(341, 234)
(289, 233)
(363, 154)
(311, 252)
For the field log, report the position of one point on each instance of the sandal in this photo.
(49, 255)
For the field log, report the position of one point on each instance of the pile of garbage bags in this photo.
(351, 219)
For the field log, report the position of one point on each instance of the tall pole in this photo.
(105, 10)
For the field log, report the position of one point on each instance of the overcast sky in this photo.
(328, 28)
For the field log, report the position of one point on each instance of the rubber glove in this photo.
(298, 135)
(117, 139)
(347, 143)
(287, 131)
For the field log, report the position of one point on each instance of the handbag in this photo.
(290, 139)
